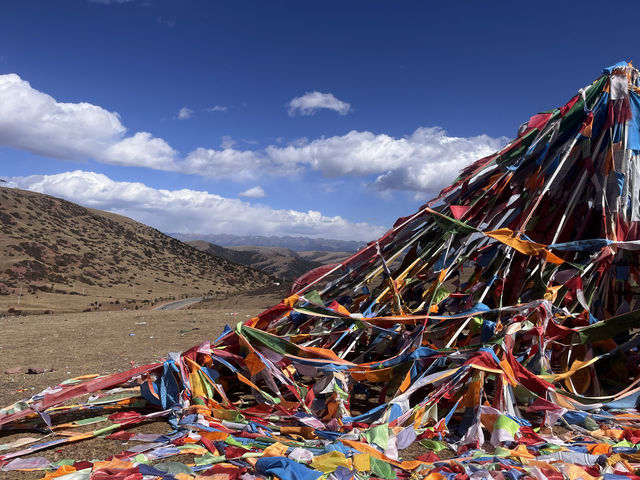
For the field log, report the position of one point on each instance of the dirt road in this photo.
(179, 304)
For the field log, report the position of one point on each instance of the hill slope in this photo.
(277, 261)
(324, 257)
(297, 244)
(58, 255)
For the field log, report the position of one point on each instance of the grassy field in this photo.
(70, 345)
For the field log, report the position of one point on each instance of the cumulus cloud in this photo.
(428, 159)
(424, 161)
(433, 160)
(33, 121)
(184, 113)
(227, 163)
(311, 102)
(141, 150)
(234, 164)
(254, 192)
(191, 211)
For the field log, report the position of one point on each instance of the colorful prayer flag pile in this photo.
(497, 329)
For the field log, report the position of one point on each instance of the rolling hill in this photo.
(324, 257)
(56, 255)
(280, 262)
(297, 244)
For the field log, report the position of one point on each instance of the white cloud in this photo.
(141, 150)
(34, 121)
(184, 113)
(235, 164)
(311, 102)
(426, 160)
(217, 108)
(191, 211)
(227, 163)
(422, 162)
(434, 160)
(254, 192)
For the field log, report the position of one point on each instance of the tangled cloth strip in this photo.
(497, 327)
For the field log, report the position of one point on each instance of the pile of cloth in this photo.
(492, 334)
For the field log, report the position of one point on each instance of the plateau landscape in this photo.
(319, 241)
(61, 257)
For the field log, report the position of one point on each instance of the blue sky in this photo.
(326, 119)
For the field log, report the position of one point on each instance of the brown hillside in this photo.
(323, 257)
(280, 262)
(56, 255)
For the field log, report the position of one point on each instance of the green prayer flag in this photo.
(434, 445)
(505, 423)
(382, 469)
(378, 435)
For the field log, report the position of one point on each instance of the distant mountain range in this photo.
(280, 262)
(297, 244)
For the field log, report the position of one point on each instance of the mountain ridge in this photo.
(297, 244)
(280, 262)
